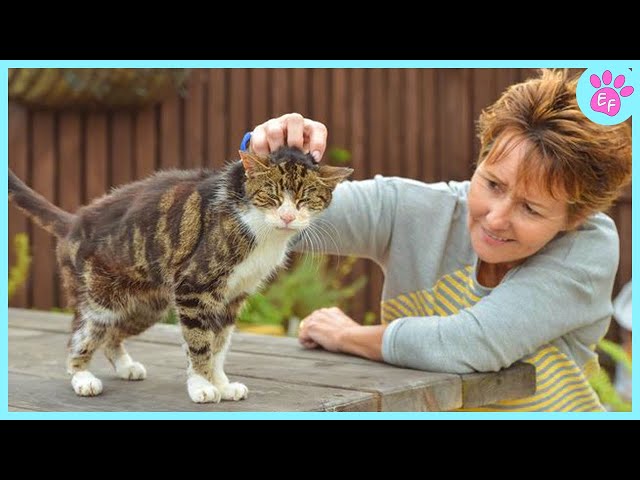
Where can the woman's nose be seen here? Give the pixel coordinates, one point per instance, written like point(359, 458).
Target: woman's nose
point(498, 217)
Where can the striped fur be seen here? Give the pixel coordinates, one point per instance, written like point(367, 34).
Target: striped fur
point(195, 240)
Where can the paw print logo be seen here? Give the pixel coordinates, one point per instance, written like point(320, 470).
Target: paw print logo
point(607, 100)
point(606, 93)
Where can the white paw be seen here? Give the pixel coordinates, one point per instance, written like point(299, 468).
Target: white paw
point(85, 384)
point(133, 371)
point(233, 391)
point(201, 390)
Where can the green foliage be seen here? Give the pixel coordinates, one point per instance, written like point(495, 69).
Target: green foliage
point(308, 285)
point(19, 272)
point(171, 317)
point(601, 382)
point(339, 156)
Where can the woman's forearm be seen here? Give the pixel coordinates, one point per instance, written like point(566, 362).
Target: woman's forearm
point(363, 341)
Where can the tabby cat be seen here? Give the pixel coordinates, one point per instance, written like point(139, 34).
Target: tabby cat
point(195, 240)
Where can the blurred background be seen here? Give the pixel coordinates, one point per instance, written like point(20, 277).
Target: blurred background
point(75, 133)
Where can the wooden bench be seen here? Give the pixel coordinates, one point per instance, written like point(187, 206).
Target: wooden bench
point(280, 374)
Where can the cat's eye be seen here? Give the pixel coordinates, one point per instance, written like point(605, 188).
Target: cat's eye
point(274, 201)
point(267, 200)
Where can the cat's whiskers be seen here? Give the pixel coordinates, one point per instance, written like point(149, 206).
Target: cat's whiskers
point(323, 228)
point(307, 238)
point(329, 225)
point(322, 250)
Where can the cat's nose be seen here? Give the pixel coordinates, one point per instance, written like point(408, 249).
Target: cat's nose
point(287, 217)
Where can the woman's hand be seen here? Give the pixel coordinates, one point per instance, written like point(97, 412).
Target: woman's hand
point(333, 330)
point(293, 130)
point(325, 328)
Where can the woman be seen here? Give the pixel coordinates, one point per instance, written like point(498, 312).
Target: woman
point(516, 264)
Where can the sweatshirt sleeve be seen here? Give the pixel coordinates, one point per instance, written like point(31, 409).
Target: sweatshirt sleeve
point(564, 287)
point(357, 222)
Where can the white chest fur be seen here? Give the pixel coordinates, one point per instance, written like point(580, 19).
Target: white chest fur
point(269, 253)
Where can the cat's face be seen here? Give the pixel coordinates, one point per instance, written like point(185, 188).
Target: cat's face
point(288, 188)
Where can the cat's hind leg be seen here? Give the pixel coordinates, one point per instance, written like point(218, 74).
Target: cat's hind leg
point(134, 324)
point(125, 367)
point(89, 330)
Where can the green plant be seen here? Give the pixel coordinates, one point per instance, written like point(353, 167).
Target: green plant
point(311, 283)
point(19, 272)
point(339, 156)
point(601, 382)
point(171, 317)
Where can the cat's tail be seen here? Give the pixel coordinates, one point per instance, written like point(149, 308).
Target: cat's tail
point(53, 219)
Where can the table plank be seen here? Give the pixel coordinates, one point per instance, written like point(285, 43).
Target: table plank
point(509, 384)
point(35, 392)
point(18, 409)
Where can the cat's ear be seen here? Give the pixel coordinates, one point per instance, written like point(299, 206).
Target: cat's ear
point(332, 176)
point(253, 163)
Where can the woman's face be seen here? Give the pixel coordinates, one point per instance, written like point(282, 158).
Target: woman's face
point(506, 224)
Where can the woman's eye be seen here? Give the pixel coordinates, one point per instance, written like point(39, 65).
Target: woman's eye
point(492, 185)
point(529, 210)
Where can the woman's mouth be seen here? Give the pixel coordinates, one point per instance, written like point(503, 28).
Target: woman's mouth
point(494, 237)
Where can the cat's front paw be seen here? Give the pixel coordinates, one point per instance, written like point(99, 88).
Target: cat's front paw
point(202, 391)
point(133, 371)
point(86, 384)
point(234, 391)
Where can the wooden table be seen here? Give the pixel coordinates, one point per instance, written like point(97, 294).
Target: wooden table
point(280, 374)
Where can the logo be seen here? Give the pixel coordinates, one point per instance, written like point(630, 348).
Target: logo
point(606, 96)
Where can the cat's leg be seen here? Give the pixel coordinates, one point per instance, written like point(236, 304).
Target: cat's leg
point(220, 346)
point(201, 317)
point(135, 324)
point(207, 326)
point(125, 367)
point(198, 338)
point(88, 333)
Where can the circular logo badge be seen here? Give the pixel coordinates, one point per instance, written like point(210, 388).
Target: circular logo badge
point(607, 95)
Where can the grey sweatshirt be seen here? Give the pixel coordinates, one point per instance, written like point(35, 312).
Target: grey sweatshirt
point(417, 233)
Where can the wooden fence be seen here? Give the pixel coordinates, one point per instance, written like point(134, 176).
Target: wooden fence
point(417, 123)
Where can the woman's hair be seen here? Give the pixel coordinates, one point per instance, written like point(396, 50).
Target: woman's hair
point(565, 151)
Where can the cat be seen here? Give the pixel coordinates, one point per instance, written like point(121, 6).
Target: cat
point(198, 241)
